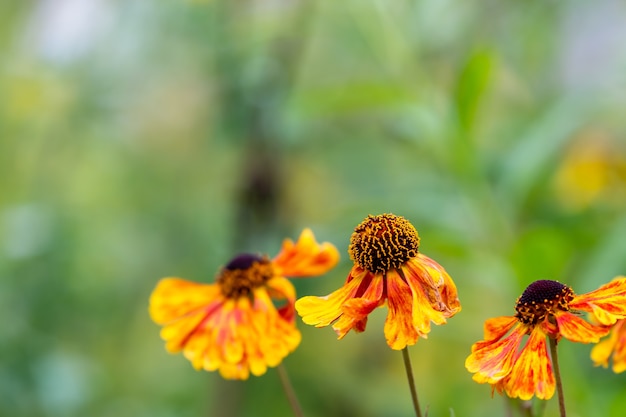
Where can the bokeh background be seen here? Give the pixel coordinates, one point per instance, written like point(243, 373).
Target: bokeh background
point(141, 139)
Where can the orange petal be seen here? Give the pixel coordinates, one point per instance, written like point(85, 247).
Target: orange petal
point(306, 257)
point(574, 328)
point(444, 296)
point(492, 359)
point(321, 311)
point(355, 310)
point(400, 330)
point(607, 303)
point(281, 288)
point(532, 371)
point(174, 298)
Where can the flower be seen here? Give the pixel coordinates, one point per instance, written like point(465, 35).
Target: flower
point(387, 269)
point(234, 325)
point(545, 308)
point(615, 346)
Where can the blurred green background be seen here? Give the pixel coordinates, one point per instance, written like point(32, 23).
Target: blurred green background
point(142, 139)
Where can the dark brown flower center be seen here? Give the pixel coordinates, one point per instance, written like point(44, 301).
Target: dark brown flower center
point(542, 298)
point(244, 273)
point(384, 242)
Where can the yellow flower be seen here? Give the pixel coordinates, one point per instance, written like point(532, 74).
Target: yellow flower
point(545, 309)
point(234, 325)
point(615, 346)
point(387, 269)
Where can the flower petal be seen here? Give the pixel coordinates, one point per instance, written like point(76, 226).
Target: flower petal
point(492, 359)
point(400, 329)
point(532, 371)
point(280, 288)
point(355, 310)
point(306, 257)
point(174, 298)
point(574, 328)
point(321, 311)
point(607, 303)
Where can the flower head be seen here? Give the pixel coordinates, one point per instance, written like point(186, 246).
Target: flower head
point(545, 309)
point(235, 325)
point(613, 347)
point(388, 268)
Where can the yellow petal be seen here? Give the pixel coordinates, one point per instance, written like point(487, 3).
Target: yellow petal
point(532, 372)
point(607, 303)
point(306, 257)
point(321, 311)
point(400, 329)
point(574, 328)
point(174, 298)
point(355, 310)
point(492, 359)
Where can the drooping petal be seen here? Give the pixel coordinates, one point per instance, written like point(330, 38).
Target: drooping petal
point(355, 310)
point(576, 329)
point(305, 257)
point(495, 328)
point(400, 329)
point(280, 288)
point(321, 311)
point(442, 292)
point(276, 336)
point(431, 289)
point(492, 359)
point(174, 298)
point(602, 351)
point(607, 303)
point(614, 345)
point(532, 371)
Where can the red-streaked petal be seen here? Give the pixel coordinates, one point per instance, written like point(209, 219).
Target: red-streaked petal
point(355, 310)
point(532, 371)
point(174, 298)
point(442, 290)
point(495, 328)
point(491, 360)
point(400, 330)
point(321, 311)
point(576, 329)
point(306, 257)
point(607, 303)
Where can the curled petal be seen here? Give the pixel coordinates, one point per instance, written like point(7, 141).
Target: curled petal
point(574, 328)
point(435, 284)
point(492, 359)
point(280, 288)
point(607, 303)
point(305, 257)
point(321, 311)
point(532, 372)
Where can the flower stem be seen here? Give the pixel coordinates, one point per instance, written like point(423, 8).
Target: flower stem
point(289, 391)
point(557, 376)
point(409, 375)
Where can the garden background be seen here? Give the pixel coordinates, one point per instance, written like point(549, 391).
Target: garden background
point(142, 139)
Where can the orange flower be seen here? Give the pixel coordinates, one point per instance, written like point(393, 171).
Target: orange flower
point(234, 325)
point(546, 308)
point(615, 346)
point(387, 269)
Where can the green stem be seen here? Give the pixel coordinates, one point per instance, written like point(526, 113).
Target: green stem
point(557, 376)
point(289, 391)
point(409, 375)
